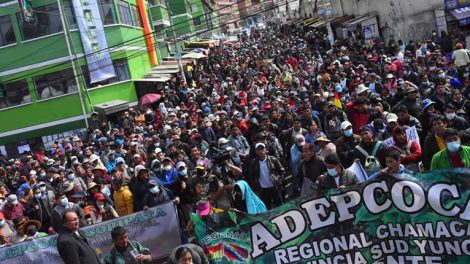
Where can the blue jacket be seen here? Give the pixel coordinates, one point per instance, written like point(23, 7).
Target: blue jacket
point(254, 205)
point(168, 178)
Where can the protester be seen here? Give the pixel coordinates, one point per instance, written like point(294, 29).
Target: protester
point(188, 253)
point(266, 177)
point(125, 250)
point(245, 200)
point(336, 176)
point(454, 155)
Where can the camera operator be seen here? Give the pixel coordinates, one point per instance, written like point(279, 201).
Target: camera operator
point(225, 168)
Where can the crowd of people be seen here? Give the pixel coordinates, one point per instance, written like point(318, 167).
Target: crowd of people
point(280, 108)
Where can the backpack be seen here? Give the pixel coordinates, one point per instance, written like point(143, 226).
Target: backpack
point(372, 164)
point(413, 167)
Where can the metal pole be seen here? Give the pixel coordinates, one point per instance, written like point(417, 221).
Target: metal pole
point(177, 49)
point(72, 56)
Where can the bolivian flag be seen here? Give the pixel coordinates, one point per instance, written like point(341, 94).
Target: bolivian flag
point(338, 101)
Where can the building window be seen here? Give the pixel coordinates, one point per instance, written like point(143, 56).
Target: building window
point(125, 13)
point(120, 68)
point(7, 36)
point(157, 2)
point(197, 21)
point(107, 12)
point(55, 84)
point(14, 93)
point(193, 8)
point(48, 22)
point(70, 14)
point(136, 21)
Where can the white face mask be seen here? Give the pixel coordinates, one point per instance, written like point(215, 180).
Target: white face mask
point(100, 206)
point(450, 116)
point(168, 168)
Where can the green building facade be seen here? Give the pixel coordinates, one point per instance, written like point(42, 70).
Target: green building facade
point(39, 95)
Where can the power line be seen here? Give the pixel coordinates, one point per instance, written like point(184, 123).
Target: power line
point(134, 40)
point(138, 53)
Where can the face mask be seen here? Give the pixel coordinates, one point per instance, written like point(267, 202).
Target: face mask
point(168, 168)
point(453, 146)
point(38, 196)
point(2, 222)
point(106, 191)
point(70, 177)
point(31, 231)
point(450, 116)
point(332, 172)
point(155, 189)
point(42, 174)
point(64, 201)
point(100, 206)
point(442, 75)
point(43, 189)
point(184, 173)
point(157, 145)
point(348, 133)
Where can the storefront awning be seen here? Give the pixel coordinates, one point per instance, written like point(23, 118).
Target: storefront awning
point(112, 107)
point(462, 15)
point(358, 20)
point(156, 79)
point(317, 24)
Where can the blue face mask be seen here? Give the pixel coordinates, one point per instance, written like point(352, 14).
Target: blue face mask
point(183, 173)
point(332, 172)
point(70, 177)
point(64, 201)
point(106, 191)
point(2, 222)
point(453, 146)
point(155, 189)
point(38, 196)
point(348, 133)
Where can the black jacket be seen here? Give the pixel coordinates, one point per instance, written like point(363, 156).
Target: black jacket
point(74, 249)
point(430, 148)
point(276, 171)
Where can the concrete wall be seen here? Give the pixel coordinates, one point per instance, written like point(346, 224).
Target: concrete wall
point(398, 19)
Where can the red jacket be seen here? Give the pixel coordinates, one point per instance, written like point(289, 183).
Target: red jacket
point(358, 119)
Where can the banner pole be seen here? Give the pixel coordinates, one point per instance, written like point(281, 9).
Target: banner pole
point(77, 81)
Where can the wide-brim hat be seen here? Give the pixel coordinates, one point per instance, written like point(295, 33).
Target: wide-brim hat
point(322, 139)
point(23, 223)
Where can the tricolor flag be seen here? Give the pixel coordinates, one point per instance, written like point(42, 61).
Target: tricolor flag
point(338, 101)
point(214, 252)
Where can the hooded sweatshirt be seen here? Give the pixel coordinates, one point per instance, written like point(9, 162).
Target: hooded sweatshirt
point(254, 205)
point(410, 149)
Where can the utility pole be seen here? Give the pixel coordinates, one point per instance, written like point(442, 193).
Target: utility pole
point(177, 49)
point(72, 56)
point(325, 10)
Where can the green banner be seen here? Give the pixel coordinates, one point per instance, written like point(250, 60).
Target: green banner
point(420, 218)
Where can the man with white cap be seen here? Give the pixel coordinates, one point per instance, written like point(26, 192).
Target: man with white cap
point(266, 177)
point(13, 208)
point(346, 143)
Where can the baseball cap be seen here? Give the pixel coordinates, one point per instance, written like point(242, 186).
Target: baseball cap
point(391, 117)
point(222, 141)
point(345, 125)
point(260, 146)
point(99, 196)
